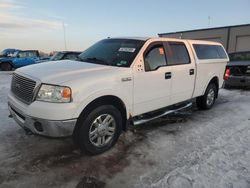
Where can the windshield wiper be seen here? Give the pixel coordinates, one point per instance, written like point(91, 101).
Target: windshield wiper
point(94, 59)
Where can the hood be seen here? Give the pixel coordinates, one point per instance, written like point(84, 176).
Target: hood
point(2, 58)
point(43, 60)
point(58, 72)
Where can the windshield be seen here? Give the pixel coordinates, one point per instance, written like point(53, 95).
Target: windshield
point(2, 53)
point(240, 56)
point(8, 52)
point(15, 54)
point(57, 56)
point(114, 52)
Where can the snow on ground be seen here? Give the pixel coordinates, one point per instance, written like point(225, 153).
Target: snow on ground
point(193, 149)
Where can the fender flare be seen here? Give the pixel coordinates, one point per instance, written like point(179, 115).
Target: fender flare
point(10, 62)
point(208, 82)
point(97, 95)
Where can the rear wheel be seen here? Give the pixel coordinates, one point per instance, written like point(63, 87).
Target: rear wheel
point(99, 130)
point(6, 66)
point(207, 101)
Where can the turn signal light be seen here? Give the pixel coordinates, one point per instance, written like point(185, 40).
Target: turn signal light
point(66, 93)
point(227, 74)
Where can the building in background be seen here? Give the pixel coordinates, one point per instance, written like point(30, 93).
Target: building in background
point(234, 38)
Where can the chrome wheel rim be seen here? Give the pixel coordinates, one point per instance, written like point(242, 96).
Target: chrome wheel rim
point(210, 97)
point(102, 130)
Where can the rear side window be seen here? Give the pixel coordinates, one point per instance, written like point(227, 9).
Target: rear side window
point(31, 54)
point(205, 51)
point(177, 54)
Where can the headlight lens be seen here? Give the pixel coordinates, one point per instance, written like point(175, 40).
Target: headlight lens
point(52, 93)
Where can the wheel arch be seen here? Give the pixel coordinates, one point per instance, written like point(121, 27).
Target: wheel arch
point(10, 62)
point(214, 80)
point(105, 100)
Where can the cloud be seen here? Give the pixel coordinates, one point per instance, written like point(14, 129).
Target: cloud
point(8, 21)
point(10, 18)
point(10, 4)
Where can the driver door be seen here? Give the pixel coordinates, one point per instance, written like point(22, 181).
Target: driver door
point(152, 86)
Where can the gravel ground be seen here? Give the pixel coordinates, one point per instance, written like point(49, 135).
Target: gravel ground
point(193, 149)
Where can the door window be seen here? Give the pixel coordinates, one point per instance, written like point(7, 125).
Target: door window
point(177, 53)
point(155, 58)
point(23, 54)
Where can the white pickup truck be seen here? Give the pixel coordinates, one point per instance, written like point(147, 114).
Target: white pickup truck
point(116, 82)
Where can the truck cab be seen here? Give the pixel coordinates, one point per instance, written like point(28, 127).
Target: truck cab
point(24, 58)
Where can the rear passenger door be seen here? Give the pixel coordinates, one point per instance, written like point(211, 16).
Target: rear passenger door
point(183, 71)
point(30, 58)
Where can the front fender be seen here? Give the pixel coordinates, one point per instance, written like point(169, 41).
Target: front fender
point(108, 92)
point(7, 61)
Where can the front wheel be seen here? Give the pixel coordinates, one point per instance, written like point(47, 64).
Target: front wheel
point(207, 101)
point(6, 66)
point(99, 130)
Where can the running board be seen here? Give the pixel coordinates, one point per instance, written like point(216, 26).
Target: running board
point(141, 121)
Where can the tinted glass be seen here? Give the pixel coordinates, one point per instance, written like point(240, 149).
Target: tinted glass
point(222, 52)
point(8, 53)
point(178, 54)
point(23, 54)
point(114, 52)
point(57, 56)
point(71, 56)
point(205, 51)
point(155, 58)
point(31, 54)
point(240, 56)
point(2, 53)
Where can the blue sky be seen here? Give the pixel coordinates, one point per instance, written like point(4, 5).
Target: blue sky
point(34, 24)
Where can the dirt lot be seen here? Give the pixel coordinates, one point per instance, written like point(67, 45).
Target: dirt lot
point(193, 149)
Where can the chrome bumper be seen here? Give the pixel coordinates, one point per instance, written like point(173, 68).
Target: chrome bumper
point(43, 127)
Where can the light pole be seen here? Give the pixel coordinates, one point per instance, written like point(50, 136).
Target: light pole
point(209, 21)
point(64, 35)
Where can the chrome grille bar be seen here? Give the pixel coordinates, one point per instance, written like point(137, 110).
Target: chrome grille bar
point(23, 88)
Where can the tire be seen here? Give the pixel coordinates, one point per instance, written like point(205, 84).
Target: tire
point(94, 136)
point(6, 66)
point(207, 101)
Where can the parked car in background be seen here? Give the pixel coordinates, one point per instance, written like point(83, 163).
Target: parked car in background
point(8, 53)
point(7, 56)
point(64, 55)
point(238, 70)
point(117, 82)
point(19, 59)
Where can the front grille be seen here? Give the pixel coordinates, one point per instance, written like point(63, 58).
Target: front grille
point(23, 87)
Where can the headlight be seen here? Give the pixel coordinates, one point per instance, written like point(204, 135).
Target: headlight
point(53, 93)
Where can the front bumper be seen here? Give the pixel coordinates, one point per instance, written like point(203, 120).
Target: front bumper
point(50, 128)
point(241, 81)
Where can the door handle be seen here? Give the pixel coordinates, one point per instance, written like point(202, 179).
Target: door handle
point(191, 72)
point(168, 75)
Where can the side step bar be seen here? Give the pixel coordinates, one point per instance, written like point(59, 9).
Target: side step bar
point(141, 121)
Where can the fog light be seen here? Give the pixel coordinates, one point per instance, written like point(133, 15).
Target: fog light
point(38, 126)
